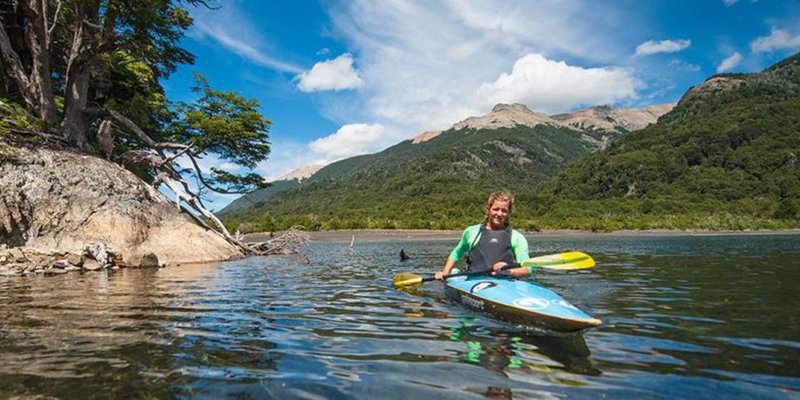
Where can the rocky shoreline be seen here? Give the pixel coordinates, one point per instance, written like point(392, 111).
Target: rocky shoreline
point(64, 211)
point(22, 261)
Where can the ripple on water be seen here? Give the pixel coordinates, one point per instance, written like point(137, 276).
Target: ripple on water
point(685, 318)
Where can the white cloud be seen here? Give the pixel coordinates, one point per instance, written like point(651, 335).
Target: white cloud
point(348, 141)
point(336, 74)
point(778, 39)
point(729, 3)
point(550, 86)
point(664, 46)
point(234, 33)
point(730, 62)
point(424, 61)
point(682, 65)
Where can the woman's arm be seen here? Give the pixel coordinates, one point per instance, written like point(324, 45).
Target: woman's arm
point(458, 252)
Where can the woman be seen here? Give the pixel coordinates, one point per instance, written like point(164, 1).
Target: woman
point(491, 244)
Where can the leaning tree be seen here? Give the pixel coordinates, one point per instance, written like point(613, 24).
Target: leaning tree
point(91, 71)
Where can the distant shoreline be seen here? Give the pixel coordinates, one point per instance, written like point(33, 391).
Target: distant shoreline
point(374, 235)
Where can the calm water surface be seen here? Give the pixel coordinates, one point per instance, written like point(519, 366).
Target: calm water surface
point(684, 317)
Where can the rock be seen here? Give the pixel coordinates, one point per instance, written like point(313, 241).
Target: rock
point(7, 270)
point(74, 259)
point(118, 261)
point(17, 255)
point(134, 260)
point(63, 200)
point(91, 265)
point(508, 116)
point(425, 136)
point(613, 119)
point(149, 260)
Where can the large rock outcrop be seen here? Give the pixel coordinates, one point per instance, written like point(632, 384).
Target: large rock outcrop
point(614, 119)
point(508, 116)
point(64, 201)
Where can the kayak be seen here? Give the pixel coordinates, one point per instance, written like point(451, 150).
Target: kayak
point(519, 301)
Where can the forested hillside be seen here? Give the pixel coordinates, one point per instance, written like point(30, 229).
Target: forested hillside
point(436, 184)
point(724, 158)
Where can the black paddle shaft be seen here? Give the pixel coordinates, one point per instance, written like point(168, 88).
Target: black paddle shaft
point(473, 273)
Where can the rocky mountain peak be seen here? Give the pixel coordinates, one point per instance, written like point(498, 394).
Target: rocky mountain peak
point(614, 119)
point(516, 107)
point(604, 117)
point(302, 173)
point(507, 116)
point(425, 136)
point(715, 84)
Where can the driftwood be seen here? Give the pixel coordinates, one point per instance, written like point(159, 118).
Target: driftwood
point(289, 242)
point(100, 253)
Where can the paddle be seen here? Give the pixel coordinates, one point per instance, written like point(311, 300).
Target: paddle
point(561, 261)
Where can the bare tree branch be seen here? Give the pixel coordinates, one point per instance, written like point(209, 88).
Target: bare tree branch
point(55, 20)
point(134, 128)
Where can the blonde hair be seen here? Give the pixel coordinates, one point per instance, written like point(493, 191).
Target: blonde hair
point(500, 195)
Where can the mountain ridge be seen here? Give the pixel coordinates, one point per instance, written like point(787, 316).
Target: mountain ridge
point(605, 118)
point(502, 116)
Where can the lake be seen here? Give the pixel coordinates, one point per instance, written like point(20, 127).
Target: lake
point(684, 317)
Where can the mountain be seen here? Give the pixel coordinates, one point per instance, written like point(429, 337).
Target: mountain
point(436, 180)
point(290, 180)
point(301, 173)
point(724, 158)
point(613, 119)
point(508, 116)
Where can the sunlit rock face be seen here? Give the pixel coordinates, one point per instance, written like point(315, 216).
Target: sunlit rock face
point(63, 201)
point(612, 119)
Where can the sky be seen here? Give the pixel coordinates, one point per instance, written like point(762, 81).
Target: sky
point(343, 78)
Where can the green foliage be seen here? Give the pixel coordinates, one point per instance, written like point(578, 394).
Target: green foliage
point(438, 184)
point(237, 183)
point(127, 48)
point(15, 119)
point(224, 123)
point(720, 160)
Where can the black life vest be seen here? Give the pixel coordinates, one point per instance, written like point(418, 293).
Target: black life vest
point(492, 246)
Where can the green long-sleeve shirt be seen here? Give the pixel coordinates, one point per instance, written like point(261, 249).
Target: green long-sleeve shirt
point(519, 245)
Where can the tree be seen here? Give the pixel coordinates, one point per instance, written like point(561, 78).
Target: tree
point(104, 59)
point(222, 123)
point(35, 21)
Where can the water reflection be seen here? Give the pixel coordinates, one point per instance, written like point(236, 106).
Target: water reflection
point(683, 318)
point(551, 357)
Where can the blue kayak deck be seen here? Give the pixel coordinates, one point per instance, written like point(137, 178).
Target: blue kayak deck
point(519, 301)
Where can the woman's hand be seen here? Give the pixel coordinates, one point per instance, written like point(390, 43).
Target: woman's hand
point(515, 271)
point(498, 266)
point(439, 275)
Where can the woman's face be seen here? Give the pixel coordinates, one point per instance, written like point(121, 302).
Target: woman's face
point(498, 213)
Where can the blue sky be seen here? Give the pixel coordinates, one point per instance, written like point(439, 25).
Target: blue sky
point(341, 78)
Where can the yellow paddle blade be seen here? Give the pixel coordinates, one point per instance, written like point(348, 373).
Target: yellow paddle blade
point(561, 261)
point(406, 279)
